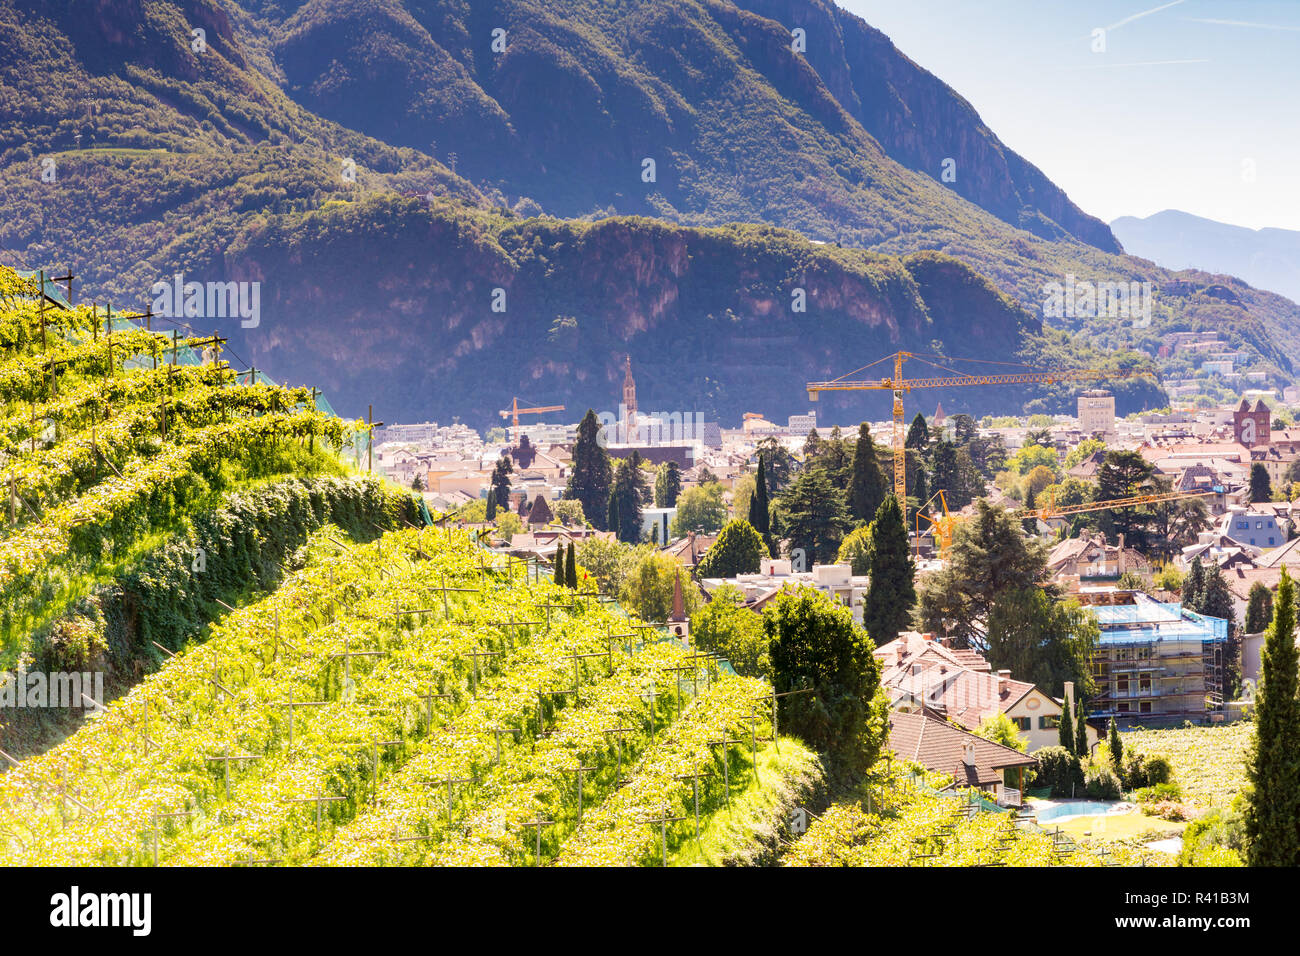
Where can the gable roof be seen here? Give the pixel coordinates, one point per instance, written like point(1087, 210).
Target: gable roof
point(941, 747)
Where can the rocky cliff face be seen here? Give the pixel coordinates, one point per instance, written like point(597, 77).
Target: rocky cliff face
point(711, 317)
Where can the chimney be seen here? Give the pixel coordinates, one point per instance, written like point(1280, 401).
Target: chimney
point(690, 537)
point(1069, 695)
point(968, 754)
point(1004, 677)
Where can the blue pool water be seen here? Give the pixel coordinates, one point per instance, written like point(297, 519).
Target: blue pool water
point(1078, 808)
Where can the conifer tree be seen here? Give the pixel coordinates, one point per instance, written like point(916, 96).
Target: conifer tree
point(559, 566)
point(1116, 746)
point(1066, 729)
point(867, 489)
point(612, 520)
point(918, 435)
point(1273, 767)
point(571, 567)
point(1259, 608)
point(1193, 584)
point(759, 507)
point(892, 592)
point(1081, 730)
point(589, 482)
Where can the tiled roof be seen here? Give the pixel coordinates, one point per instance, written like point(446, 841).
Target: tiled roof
point(939, 746)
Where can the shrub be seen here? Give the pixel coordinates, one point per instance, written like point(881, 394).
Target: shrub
point(1102, 783)
point(1159, 792)
point(1060, 770)
point(1158, 771)
point(1166, 810)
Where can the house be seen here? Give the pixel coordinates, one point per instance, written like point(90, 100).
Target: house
point(969, 759)
point(775, 575)
point(921, 674)
point(1257, 527)
point(1089, 558)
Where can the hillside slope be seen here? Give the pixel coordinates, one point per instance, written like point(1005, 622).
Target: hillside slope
point(164, 160)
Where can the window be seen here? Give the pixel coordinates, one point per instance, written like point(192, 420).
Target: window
point(1121, 685)
point(1125, 707)
point(1144, 682)
point(1144, 707)
point(1049, 723)
point(1022, 723)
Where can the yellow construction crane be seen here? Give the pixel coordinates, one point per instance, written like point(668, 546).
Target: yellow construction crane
point(515, 411)
point(945, 524)
point(898, 385)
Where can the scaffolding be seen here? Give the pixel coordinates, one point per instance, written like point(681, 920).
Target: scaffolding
point(1157, 661)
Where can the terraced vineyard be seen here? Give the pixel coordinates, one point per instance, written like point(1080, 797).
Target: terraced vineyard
point(909, 824)
point(113, 438)
point(300, 681)
point(408, 701)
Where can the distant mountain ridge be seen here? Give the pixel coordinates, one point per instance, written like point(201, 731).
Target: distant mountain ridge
point(1266, 258)
point(217, 164)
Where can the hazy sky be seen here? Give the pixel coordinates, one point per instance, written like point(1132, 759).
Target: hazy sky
point(1194, 105)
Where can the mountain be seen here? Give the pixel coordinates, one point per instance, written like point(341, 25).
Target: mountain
point(378, 169)
point(1266, 258)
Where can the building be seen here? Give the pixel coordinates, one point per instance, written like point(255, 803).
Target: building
point(802, 424)
point(775, 575)
point(629, 399)
point(1097, 412)
point(970, 760)
point(1088, 559)
point(1256, 528)
point(1155, 662)
point(1252, 426)
point(921, 674)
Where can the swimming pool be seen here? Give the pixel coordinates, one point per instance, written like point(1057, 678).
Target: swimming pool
point(1080, 808)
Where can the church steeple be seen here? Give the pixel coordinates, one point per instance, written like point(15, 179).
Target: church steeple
point(629, 397)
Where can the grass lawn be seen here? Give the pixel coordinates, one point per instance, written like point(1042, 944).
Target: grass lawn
point(1209, 762)
point(1115, 826)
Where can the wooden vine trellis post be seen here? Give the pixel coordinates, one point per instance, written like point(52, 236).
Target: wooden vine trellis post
point(320, 800)
point(726, 743)
point(224, 759)
point(662, 822)
point(290, 704)
point(773, 697)
point(579, 771)
point(537, 826)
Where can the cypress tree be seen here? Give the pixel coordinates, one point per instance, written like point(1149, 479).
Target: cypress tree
point(590, 479)
point(918, 435)
point(1066, 730)
point(491, 513)
point(892, 591)
point(612, 520)
point(571, 567)
point(867, 489)
point(1273, 768)
point(759, 508)
point(1081, 730)
point(1116, 746)
point(559, 566)
point(1259, 608)
point(1193, 584)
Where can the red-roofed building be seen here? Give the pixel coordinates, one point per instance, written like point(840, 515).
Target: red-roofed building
point(970, 760)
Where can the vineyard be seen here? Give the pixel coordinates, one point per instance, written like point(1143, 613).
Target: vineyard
point(408, 701)
point(314, 685)
point(113, 438)
point(904, 821)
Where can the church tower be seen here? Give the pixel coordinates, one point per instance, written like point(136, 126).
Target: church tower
point(629, 399)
